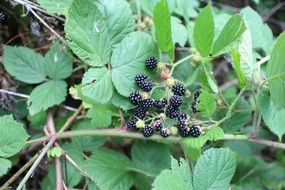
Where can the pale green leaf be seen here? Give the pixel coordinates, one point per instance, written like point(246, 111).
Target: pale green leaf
point(55, 152)
point(208, 79)
point(24, 64)
point(110, 170)
point(179, 177)
point(232, 30)
point(13, 136)
point(206, 104)
point(204, 30)
point(151, 157)
point(101, 115)
point(236, 63)
point(128, 60)
point(214, 169)
point(87, 31)
point(121, 101)
point(97, 84)
point(59, 7)
point(179, 34)
point(276, 73)
point(120, 22)
point(272, 117)
point(5, 165)
point(58, 62)
point(187, 8)
point(162, 23)
point(46, 95)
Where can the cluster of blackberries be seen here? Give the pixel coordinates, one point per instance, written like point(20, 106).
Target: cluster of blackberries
point(2, 16)
point(161, 108)
point(195, 101)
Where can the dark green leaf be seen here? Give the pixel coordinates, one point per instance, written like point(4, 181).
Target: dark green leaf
point(101, 115)
point(206, 104)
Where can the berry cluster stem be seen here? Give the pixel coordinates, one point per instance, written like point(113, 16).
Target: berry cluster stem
point(179, 62)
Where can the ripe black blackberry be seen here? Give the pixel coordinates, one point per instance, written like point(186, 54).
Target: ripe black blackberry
point(196, 95)
point(135, 98)
point(184, 132)
point(157, 125)
point(147, 131)
point(131, 125)
point(175, 101)
point(195, 131)
point(165, 132)
point(146, 85)
point(178, 89)
point(139, 78)
point(2, 16)
point(182, 117)
point(181, 125)
point(139, 112)
point(148, 103)
point(171, 112)
point(151, 62)
point(159, 104)
point(193, 107)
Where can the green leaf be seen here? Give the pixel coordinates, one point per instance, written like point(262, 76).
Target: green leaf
point(13, 136)
point(150, 157)
point(179, 177)
point(206, 104)
point(261, 34)
point(128, 60)
point(204, 30)
point(5, 165)
point(59, 7)
point(46, 95)
point(97, 84)
point(38, 120)
point(179, 34)
point(214, 169)
point(86, 143)
point(193, 146)
point(121, 101)
point(232, 30)
point(87, 31)
point(276, 73)
point(120, 22)
point(272, 117)
point(162, 23)
point(101, 115)
point(187, 8)
point(236, 63)
point(110, 170)
point(58, 62)
point(24, 64)
point(208, 80)
point(55, 152)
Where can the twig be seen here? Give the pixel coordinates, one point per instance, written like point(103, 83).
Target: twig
point(71, 119)
point(37, 7)
point(124, 134)
point(46, 25)
point(27, 97)
point(19, 172)
point(50, 125)
point(36, 163)
point(139, 14)
point(273, 10)
point(228, 84)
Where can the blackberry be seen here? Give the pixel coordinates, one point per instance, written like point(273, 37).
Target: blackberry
point(175, 101)
point(165, 132)
point(171, 112)
point(159, 104)
point(147, 131)
point(182, 117)
point(157, 125)
point(185, 132)
point(135, 98)
point(178, 89)
point(140, 77)
point(148, 103)
point(146, 85)
point(181, 125)
point(139, 112)
point(196, 95)
point(195, 131)
point(131, 125)
point(193, 107)
point(151, 62)
point(2, 16)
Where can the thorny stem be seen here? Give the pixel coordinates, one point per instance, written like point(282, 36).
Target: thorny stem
point(141, 172)
point(172, 139)
point(71, 119)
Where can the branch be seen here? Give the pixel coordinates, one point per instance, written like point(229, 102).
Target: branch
point(50, 125)
point(158, 138)
point(71, 119)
